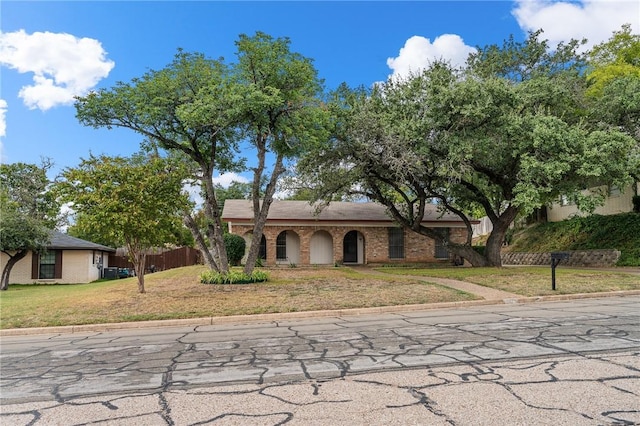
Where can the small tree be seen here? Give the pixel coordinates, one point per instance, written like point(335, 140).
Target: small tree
point(136, 202)
point(28, 212)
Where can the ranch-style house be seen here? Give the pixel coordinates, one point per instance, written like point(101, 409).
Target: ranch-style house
point(296, 233)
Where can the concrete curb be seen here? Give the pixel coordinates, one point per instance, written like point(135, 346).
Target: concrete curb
point(87, 328)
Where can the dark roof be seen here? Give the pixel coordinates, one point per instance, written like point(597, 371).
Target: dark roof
point(60, 241)
point(235, 210)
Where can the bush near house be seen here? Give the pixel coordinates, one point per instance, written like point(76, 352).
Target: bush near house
point(620, 232)
point(235, 246)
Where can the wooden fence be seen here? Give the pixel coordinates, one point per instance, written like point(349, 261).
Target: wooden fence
point(183, 256)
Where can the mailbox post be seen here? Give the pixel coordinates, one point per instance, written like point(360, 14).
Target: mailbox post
point(556, 258)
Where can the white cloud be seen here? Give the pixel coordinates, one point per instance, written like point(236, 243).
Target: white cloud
point(63, 65)
point(595, 20)
point(226, 179)
point(3, 123)
point(3, 127)
point(418, 52)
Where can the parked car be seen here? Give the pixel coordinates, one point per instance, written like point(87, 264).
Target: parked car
point(125, 273)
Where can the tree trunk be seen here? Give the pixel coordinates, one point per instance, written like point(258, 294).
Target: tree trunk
point(137, 256)
point(6, 271)
point(191, 224)
point(493, 248)
point(138, 265)
point(214, 222)
point(470, 254)
point(261, 211)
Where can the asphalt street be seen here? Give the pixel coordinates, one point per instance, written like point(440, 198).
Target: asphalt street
point(574, 362)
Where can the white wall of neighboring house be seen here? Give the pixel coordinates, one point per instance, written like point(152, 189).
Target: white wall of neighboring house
point(78, 266)
point(483, 228)
point(618, 201)
point(21, 271)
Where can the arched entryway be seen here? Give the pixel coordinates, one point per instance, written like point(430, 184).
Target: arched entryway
point(353, 248)
point(321, 248)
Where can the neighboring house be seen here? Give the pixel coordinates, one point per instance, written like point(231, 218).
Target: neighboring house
point(340, 233)
point(66, 260)
point(616, 202)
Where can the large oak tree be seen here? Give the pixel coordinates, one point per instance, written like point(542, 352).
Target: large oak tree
point(505, 135)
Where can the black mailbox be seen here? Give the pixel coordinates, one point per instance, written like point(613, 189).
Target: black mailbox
point(556, 258)
point(560, 255)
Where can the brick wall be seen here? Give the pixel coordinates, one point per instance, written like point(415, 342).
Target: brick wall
point(417, 248)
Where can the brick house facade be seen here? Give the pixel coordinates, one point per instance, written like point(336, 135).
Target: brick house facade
point(341, 233)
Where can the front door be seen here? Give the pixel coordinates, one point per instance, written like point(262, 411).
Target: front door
point(350, 247)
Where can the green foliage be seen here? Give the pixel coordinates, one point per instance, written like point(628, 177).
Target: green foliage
point(636, 203)
point(615, 58)
point(134, 202)
point(233, 277)
point(235, 246)
point(19, 232)
point(28, 212)
point(506, 135)
point(125, 200)
point(199, 109)
point(619, 232)
point(27, 187)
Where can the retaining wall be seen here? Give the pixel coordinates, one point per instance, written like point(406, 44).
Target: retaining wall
point(587, 258)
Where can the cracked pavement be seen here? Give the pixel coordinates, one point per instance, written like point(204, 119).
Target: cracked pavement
point(573, 362)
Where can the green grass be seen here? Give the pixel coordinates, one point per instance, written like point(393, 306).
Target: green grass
point(532, 280)
point(620, 232)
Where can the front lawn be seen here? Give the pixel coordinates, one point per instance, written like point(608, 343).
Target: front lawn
point(531, 280)
point(178, 293)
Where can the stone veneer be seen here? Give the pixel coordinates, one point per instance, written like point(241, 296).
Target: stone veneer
point(587, 258)
point(417, 248)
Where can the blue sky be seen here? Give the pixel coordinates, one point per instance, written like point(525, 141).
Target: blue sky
point(51, 51)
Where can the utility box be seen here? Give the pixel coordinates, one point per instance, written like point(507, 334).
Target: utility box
point(110, 273)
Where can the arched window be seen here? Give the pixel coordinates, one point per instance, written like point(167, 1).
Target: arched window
point(262, 254)
point(281, 246)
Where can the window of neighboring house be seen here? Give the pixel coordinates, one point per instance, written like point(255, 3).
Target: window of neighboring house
point(281, 246)
point(396, 243)
point(47, 265)
point(441, 251)
point(614, 191)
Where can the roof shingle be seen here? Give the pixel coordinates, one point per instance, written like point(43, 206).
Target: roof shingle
point(235, 210)
point(60, 241)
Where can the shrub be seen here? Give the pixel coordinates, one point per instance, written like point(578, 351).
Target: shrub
point(636, 203)
point(235, 246)
point(233, 277)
